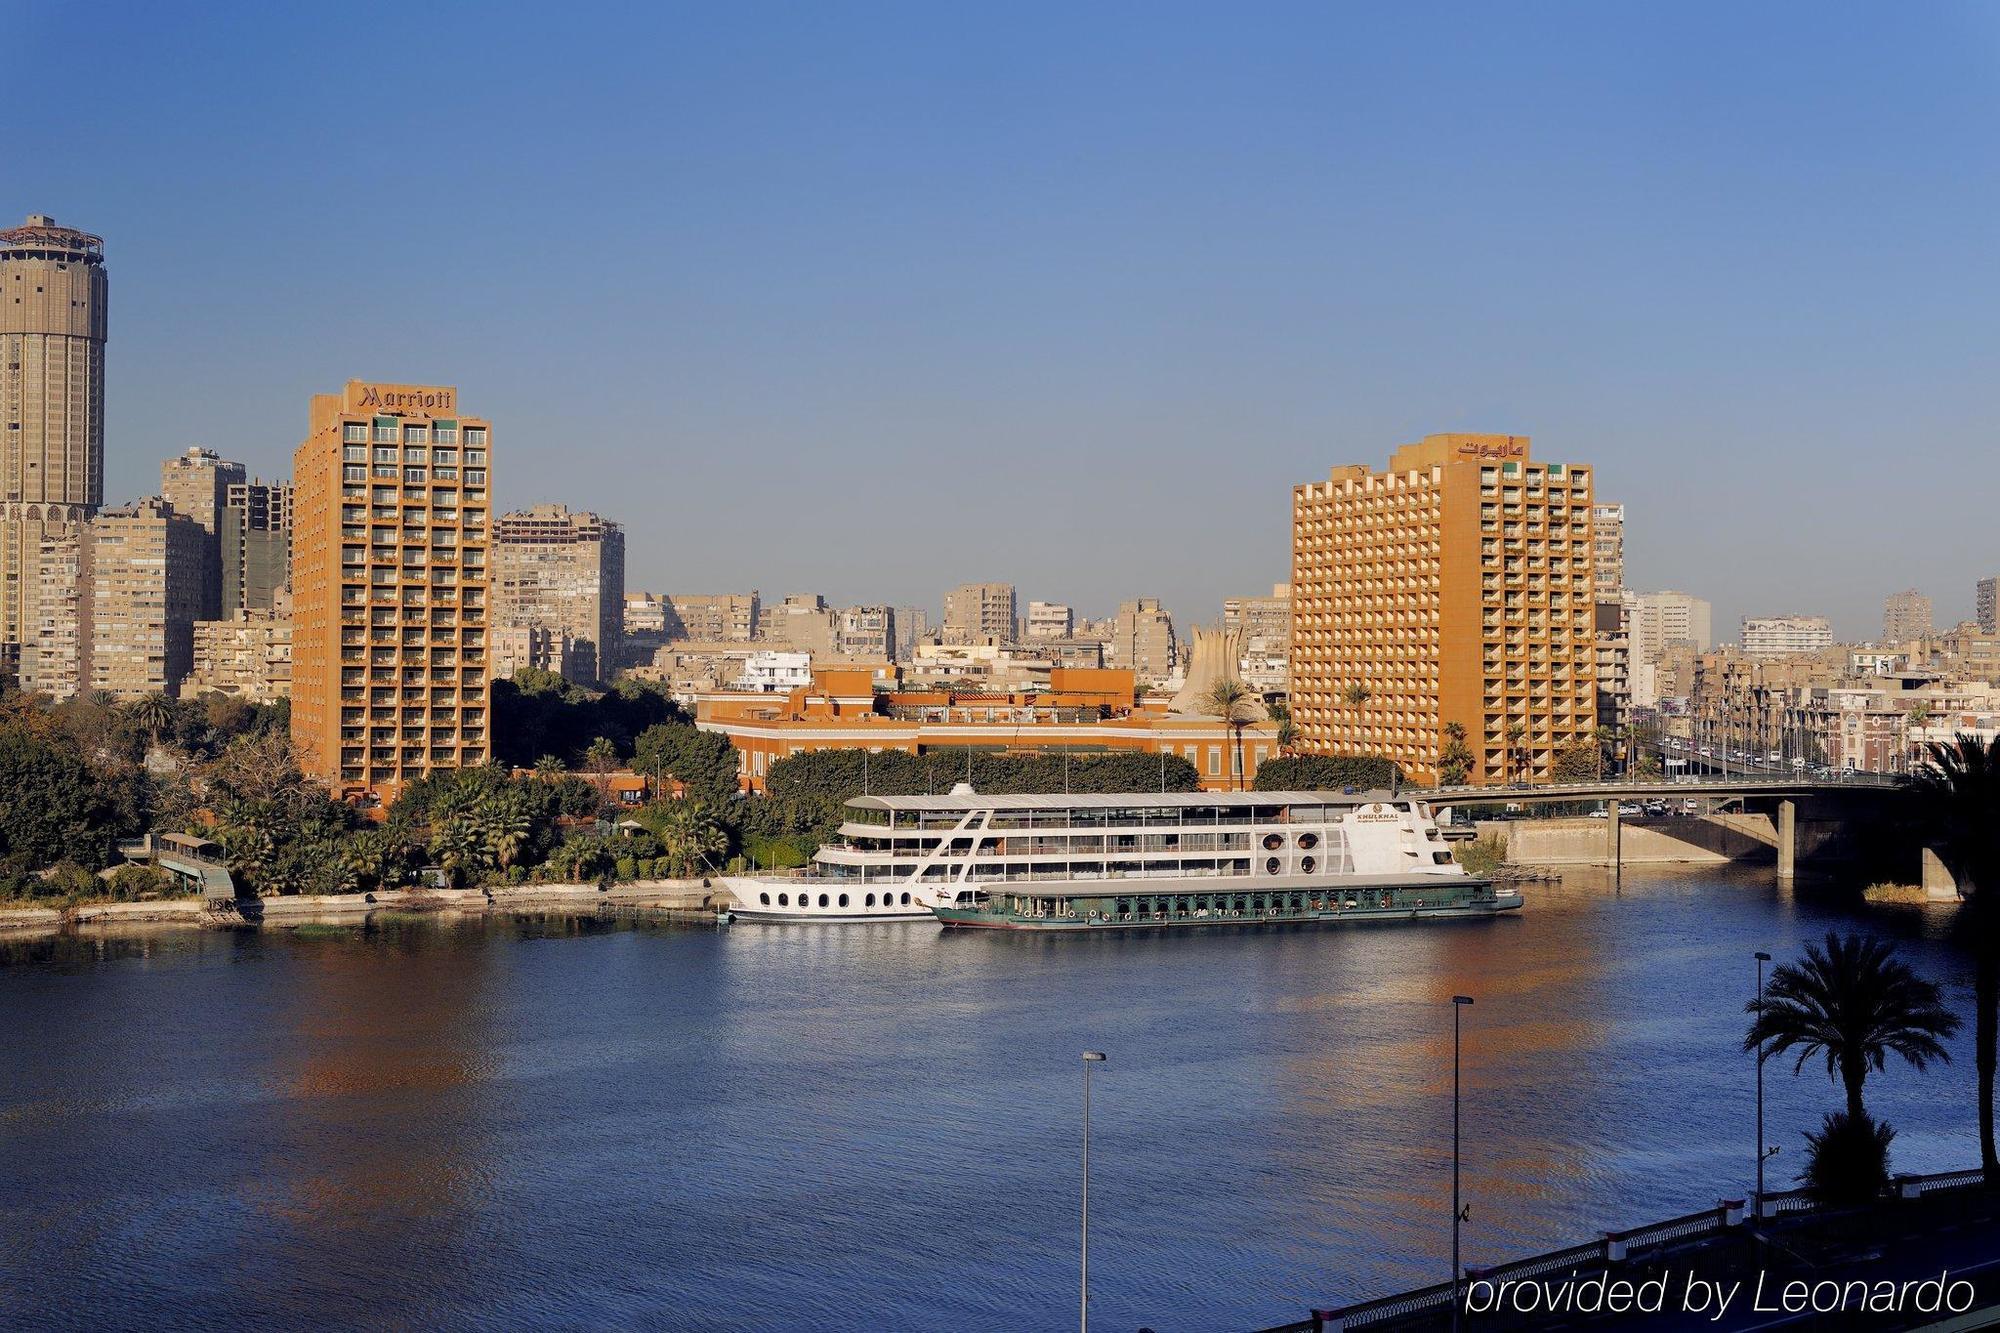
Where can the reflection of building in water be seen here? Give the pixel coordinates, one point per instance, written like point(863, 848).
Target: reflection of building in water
point(383, 1068)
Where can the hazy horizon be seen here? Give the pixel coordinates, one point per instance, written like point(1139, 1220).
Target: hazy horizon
point(874, 300)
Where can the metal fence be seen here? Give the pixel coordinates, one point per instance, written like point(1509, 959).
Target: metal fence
point(1613, 1247)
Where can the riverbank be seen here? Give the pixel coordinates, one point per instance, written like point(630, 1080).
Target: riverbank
point(669, 897)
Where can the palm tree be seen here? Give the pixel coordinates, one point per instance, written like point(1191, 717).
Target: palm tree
point(1455, 757)
point(1856, 1004)
point(460, 849)
point(1517, 732)
point(689, 835)
point(548, 766)
point(505, 826)
point(1959, 785)
point(370, 859)
point(1232, 701)
point(153, 714)
point(602, 756)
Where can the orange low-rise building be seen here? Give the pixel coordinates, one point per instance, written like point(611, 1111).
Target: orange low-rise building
point(1084, 712)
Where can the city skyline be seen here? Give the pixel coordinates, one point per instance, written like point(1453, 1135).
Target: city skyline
point(1069, 269)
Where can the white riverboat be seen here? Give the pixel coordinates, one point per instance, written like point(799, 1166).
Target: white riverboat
point(1130, 859)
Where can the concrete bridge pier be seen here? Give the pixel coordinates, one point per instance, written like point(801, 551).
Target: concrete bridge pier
point(1788, 838)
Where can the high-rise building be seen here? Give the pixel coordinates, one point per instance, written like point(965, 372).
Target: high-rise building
point(389, 587)
point(1656, 620)
point(912, 623)
point(255, 533)
point(1607, 538)
point(978, 612)
point(1050, 620)
point(197, 484)
point(147, 561)
point(1454, 587)
point(1266, 623)
point(562, 572)
point(1783, 636)
point(53, 302)
point(1906, 615)
point(1142, 641)
point(55, 659)
point(1986, 604)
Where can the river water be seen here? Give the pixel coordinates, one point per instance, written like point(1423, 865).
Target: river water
point(574, 1123)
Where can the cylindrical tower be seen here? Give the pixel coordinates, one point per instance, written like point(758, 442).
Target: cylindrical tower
point(52, 332)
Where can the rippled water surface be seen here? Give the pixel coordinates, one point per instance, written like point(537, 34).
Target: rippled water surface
point(583, 1124)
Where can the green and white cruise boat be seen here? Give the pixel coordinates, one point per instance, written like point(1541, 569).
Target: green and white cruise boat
point(1139, 860)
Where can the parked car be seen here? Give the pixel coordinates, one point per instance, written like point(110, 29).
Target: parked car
point(1690, 806)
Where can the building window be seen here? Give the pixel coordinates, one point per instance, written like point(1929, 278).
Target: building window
point(475, 435)
point(416, 434)
point(385, 432)
point(354, 432)
point(1214, 760)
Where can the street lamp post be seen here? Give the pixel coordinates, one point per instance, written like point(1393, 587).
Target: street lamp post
point(1458, 1003)
point(1083, 1270)
point(1762, 958)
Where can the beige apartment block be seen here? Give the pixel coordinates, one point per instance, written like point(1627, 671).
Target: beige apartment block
point(197, 483)
point(1607, 540)
point(1783, 636)
point(389, 587)
point(56, 658)
point(248, 657)
point(726, 617)
point(146, 568)
point(1455, 586)
point(515, 648)
point(53, 318)
point(978, 612)
point(562, 572)
point(867, 632)
point(1266, 625)
point(1142, 642)
point(1906, 615)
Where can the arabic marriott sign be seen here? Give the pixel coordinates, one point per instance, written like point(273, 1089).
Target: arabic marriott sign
point(402, 399)
point(1493, 449)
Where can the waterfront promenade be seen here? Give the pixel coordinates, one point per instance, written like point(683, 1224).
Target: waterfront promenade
point(1922, 1257)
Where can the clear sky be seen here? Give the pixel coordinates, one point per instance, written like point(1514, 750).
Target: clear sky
point(871, 300)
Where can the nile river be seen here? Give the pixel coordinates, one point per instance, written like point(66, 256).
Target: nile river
point(562, 1123)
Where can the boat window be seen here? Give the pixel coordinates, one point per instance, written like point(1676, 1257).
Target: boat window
point(1308, 841)
point(822, 900)
point(906, 900)
point(1307, 865)
point(1273, 841)
point(843, 900)
point(784, 900)
point(1272, 866)
point(1442, 858)
point(869, 901)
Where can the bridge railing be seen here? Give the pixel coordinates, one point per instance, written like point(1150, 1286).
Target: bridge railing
point(1612, 1248)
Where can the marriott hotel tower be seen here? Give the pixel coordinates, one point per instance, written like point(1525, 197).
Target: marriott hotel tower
point(389, 575)
point(52, 324)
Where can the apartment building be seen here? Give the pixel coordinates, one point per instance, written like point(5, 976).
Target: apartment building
point(1986, 603)
point(1266, 626)
point(254, 531)
point(196, 483)
point(247, 656)
point(1607, 541)
point(867, 632)
point(390, 542)
point(562, 572)
point(1781, 636)
point(147, 564)
point(727, 617)
point(1456, 586)
point(1142, 641)
point(1050, 620)
point(1655, 620)
point(55, 659)
point(977, 612)
point(1906, 615)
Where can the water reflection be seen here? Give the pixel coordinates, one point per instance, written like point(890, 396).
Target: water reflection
point(589, 1121)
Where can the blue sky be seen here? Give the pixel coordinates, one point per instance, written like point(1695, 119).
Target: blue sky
point(874, 299)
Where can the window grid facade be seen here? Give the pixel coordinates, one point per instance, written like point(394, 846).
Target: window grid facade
point(1457, 586)
point(390, 588)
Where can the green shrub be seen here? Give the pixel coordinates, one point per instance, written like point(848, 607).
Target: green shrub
point(626, 868)
point(1327, 772)
point(1848, 1160)
point(1483, 855)
point(134, 883)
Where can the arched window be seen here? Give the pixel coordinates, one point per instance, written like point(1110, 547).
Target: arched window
point(822, 900)
point(906, 900)
point(843, 900)
point(764, 898)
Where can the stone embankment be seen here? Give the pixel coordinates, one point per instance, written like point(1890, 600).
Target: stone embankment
point(673, 897)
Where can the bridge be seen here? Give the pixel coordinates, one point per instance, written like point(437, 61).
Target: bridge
point(1784, 791)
